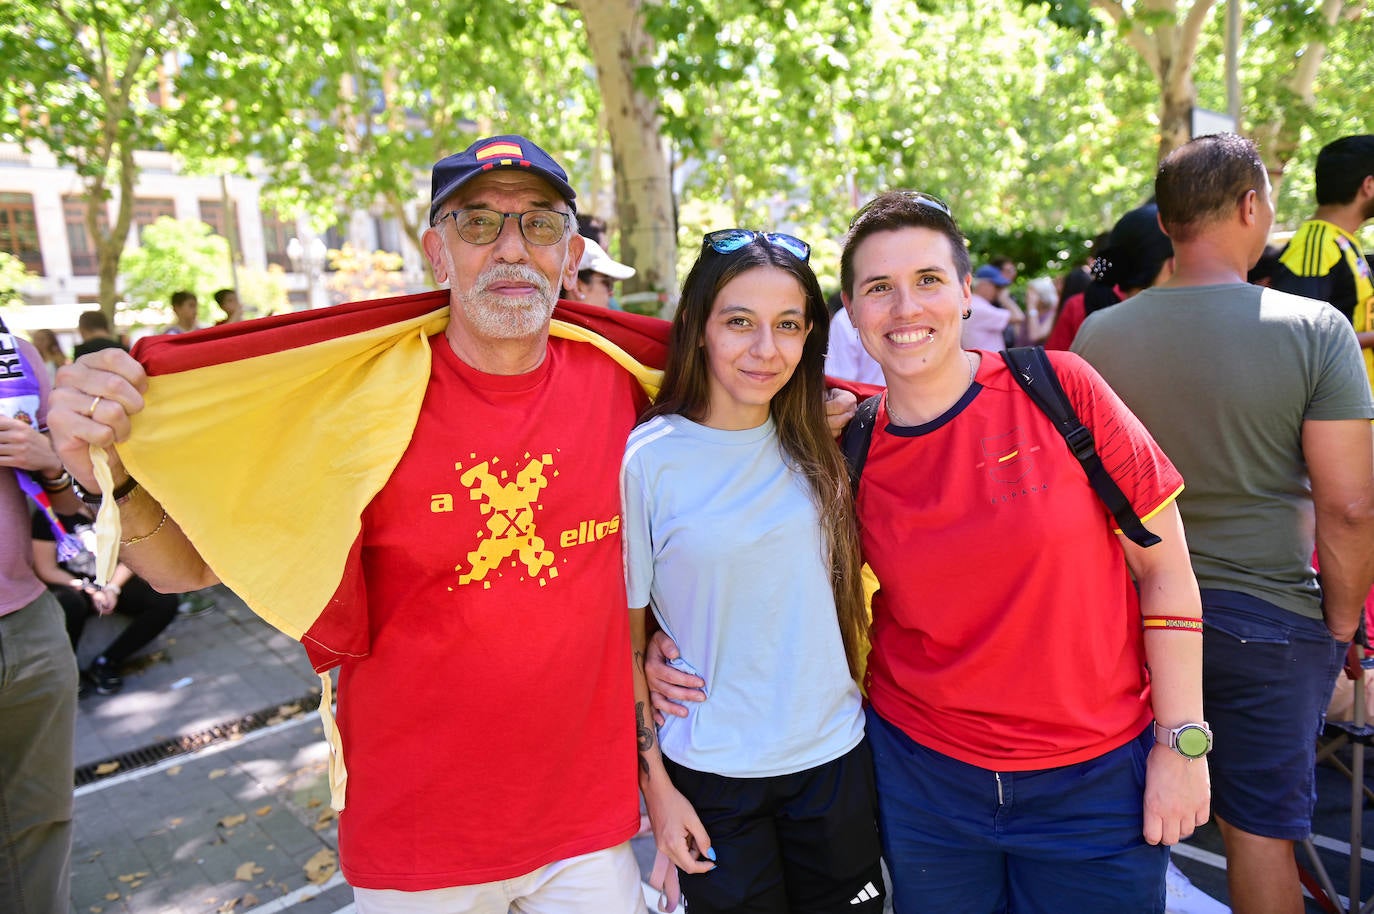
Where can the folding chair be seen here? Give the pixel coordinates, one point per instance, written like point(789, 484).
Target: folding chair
point(1357, 733)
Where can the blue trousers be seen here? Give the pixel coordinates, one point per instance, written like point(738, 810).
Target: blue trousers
point(961, 838)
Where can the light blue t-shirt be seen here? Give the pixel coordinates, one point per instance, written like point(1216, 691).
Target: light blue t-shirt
point(723, 540)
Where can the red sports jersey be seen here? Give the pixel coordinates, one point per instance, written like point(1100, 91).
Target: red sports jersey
point(490, 730)
point(1006, 632)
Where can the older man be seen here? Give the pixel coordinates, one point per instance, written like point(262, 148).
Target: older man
point(984, 327)
point(1260, 399)
point(467, 789)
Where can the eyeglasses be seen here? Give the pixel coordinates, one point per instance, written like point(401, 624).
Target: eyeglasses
point(483, 226)
point(727, 241)
point(916, 196)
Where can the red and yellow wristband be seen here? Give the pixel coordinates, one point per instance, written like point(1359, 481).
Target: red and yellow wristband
point(1174, 623)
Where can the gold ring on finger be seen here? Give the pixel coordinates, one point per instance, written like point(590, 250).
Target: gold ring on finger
point(90, 410)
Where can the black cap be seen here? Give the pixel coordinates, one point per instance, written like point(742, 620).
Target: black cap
point(509, 151)
point(1135, 251)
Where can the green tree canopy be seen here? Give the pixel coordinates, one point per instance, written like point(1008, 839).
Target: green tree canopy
point(175, 255)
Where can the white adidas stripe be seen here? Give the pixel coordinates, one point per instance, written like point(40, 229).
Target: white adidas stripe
point(867, 893)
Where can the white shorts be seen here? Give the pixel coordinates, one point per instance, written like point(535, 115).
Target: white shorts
point(603, 882)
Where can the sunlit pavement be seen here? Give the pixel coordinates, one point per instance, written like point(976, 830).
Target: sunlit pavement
point(244, 822)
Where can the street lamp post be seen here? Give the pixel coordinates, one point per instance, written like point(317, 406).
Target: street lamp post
point(310, 259)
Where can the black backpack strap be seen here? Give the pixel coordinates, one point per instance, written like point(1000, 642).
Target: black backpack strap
point(856, 437)
point(1031, 368)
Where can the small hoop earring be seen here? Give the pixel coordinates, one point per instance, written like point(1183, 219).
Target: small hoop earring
point(968, 314)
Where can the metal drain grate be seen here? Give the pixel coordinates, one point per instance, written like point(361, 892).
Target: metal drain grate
point(183, 745)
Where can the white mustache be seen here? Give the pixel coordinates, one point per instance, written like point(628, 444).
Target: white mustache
point(512, 272)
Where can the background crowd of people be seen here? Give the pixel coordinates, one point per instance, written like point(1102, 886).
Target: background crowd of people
point(1019, 724)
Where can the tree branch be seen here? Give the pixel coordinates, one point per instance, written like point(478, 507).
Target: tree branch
point(1192, 28)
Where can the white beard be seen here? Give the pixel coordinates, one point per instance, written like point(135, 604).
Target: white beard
point(501, 316)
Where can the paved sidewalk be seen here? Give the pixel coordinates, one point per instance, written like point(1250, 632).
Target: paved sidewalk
point(201, 671)
point(243, 823)
point(237, 824)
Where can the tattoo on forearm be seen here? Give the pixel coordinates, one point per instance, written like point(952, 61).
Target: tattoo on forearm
point(644, 735)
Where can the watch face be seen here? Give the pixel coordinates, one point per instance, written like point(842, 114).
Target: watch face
point(1193, 742)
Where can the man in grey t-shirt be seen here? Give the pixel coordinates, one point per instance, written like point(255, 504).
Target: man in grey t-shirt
point(1259, 398)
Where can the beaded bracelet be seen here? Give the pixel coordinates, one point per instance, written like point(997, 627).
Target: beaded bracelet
point(57, 484)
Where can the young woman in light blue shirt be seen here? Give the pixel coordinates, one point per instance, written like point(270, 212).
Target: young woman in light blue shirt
point(739, 535)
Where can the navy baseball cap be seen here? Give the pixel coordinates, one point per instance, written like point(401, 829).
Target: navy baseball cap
point(992, 275)
point(494, 152)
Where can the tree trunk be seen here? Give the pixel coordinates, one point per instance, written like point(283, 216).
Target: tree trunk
point(1175, 114)
point(109, 246)
point(1168, 46)
point(1279, 139)
point(644, 193)
point(410, 229)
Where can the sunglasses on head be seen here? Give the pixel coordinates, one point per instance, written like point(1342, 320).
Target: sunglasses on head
point(916, 196)
point(727, 241)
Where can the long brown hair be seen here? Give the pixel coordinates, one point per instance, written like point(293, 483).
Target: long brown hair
point(798, 411)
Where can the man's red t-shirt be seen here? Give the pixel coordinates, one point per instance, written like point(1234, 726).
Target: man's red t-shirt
point(490, 730)
point(1006, 631)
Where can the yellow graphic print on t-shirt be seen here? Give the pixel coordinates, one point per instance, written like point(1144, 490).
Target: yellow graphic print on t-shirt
point(509, 508)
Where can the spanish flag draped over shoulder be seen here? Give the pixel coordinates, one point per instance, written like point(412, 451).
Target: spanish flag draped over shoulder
point(266, 440)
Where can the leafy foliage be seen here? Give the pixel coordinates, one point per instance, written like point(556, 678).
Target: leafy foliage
point(13, 276)
point(1037, 120)
point(175, 255)
point(359, 275)
point(350, 104)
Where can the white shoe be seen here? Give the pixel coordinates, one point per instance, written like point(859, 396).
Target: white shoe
point(1182, 897)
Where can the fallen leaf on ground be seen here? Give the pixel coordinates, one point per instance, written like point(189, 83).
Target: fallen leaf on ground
point(236, 819)
point(246, 871)
point(96, 909)
point(289, 710)
point(136, 883)
point(250, 900)
point(177, 821)
point(320, 867)
point(174, 771)
point(128, 877)
point(326, 818)
point(228, 906)
point(219, 773)
point(111, 896)
point(313, 802)
point(263, 810)
point(106, 767)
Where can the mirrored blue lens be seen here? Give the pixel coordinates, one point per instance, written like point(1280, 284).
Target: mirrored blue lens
point(727, 241)
point(791, 244)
